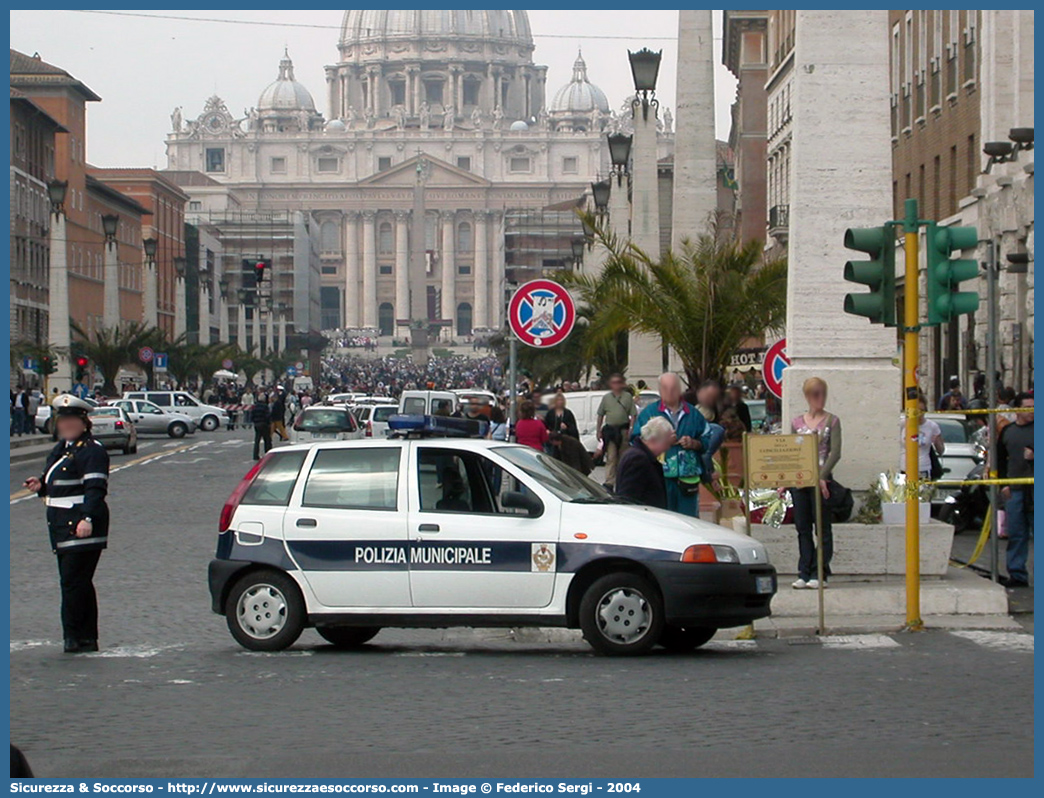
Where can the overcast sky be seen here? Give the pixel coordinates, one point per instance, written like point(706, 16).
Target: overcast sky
point(143, 68)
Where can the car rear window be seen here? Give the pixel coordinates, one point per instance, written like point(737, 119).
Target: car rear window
point(414, 405)
point(355, 478)
point(325, 419)
point(275, 482)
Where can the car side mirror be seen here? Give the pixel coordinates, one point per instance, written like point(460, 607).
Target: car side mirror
point(516, 500)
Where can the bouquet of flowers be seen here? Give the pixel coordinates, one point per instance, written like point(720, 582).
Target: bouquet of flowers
point(770, 506)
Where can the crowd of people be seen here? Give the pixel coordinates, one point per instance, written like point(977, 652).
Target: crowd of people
point(389, 376)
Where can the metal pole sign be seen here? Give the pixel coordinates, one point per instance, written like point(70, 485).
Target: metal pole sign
point(541, 313)
point(788, 461)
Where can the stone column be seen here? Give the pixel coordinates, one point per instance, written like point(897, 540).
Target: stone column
point(496, 308)
point(645, 355)
point(59, 334)
point(204, 313)
point(112, 285)
point(180, 321)
point(369, 276)
point(257, 330)
point(150, 301)
point(282, 332)
point(270, 334)
point(402, 267)
point(222, 320)
point(480, 317)
point(449, 270)
point(695, 156)
point(241, 327)
point(846, 184)
point(351, 269)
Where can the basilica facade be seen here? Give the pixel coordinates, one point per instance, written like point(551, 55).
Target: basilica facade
point(437, 128)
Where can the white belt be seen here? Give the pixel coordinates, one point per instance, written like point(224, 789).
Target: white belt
point(65, 544)
point(66, 502)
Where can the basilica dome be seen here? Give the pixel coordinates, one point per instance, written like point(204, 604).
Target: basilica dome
point(361, 27)
point(579, 96)
point(286, 94)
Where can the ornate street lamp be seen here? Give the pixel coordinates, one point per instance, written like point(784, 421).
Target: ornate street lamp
point(577, 245)
point(110, 223)
point(645, 67)
point(223, 285)
point(179, 265)
point(600, 192)
point(56, 190)
point(619, 154)
point(151, 246)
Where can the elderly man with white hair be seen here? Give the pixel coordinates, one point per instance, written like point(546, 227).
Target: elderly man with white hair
point(639, 474)
point(682, 463)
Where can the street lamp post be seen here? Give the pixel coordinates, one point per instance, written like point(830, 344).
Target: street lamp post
point(58, 332)
point(577, 244)
point(180, 320)
point(111, 309)
point(150, 301)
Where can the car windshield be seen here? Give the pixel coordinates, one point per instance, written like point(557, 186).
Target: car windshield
point(953, 430)
point(324, 419)
point(566, 483)
point(105, 411)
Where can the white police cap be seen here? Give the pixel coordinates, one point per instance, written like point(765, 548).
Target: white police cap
point(68, 405)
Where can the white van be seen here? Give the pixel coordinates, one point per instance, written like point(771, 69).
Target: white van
point(207, 417)
point(428, 403)
point(584, 405)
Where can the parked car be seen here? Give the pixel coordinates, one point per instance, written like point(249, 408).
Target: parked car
point(961, 456)
point(325, 423)
point(584, 405)
point(428, 403)
point(43, 417)
point(151, 418)
point(348, 398)
point(207, 417)
point(374, 419)
point(112, 426)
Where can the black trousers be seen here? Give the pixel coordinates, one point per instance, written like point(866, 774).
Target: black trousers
point(805, 520)
point(79, 601)
point(262, 432)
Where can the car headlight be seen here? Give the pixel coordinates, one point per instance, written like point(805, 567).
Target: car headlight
point(707, 553)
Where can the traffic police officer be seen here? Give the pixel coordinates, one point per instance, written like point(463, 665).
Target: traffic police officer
point(73, 485)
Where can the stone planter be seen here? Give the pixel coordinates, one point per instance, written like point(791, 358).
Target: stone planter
point(895, 513)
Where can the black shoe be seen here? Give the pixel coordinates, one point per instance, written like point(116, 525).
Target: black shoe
point(1007, 581)
point(88, 646)
point(72, 646)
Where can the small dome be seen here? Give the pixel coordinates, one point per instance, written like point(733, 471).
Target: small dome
point(336, 126)
point(286, 94)
point(519, 125)
point(579, 96)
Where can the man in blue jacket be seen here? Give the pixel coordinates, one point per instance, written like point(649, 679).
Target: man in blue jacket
point(681, 463)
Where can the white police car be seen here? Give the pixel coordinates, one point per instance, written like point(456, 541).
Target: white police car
point(353, 536)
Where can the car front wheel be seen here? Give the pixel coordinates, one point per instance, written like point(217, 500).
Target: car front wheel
point(209, 423)
point(177, 430)
point(265, 611)
point(621, 614)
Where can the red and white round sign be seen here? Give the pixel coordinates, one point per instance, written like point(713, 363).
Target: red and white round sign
point(776, 361)
point(541, 313)
point(145, 354)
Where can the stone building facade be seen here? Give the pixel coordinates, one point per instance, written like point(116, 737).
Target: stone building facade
point(437, 128)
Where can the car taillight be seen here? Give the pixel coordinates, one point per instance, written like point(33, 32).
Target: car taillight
point(706, 553)
point(119, 425)
point(237, 495)
point(369, 429)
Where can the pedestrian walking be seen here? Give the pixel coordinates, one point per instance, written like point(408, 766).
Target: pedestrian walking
point(683, 464)
point(529, 430)
point(815, 419)
point(74, 485)
point(639, 477)
point(279, 415)
point(568, 450)
point(18, 415)
point(31, 402)
point(615, 416)
point(1014, 460)
point(261, 418)
point(929, 441)
point(560, 418)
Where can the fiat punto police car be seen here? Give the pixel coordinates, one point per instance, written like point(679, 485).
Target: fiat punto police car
point(354, 536)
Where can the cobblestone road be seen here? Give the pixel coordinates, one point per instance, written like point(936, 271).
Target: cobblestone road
point(171, 694)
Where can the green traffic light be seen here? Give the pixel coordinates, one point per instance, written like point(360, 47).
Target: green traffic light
point(878, 274)
point(944, 276)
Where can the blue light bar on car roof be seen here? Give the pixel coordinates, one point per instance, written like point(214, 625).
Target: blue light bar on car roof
point(436, 426)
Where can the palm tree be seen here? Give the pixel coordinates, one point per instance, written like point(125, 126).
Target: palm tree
point(702, 301)
point(112, 348)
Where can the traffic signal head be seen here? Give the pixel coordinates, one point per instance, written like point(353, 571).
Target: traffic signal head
point(260, 265)
point(878, 274)
point(945, 299)
point(82, 362)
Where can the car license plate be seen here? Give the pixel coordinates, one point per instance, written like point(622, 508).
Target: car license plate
point(763, 584)
point(327, 436)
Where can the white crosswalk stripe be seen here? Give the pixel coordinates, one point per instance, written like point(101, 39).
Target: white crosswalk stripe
point(863, 642)
point(1002, 641)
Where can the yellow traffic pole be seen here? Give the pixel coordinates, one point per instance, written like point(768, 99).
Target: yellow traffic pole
point(911, 328)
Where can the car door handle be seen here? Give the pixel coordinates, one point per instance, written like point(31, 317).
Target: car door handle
point(428, 528)
point(306, 522)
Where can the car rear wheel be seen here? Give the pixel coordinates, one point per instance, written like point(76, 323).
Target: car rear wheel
point(621, 614)
point(209, 423)
point(347, 636)
point(674, 638)
point(177, 430)
point(265, 611)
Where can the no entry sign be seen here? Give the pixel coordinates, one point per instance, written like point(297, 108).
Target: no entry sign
point(776, 361)
point(541, 313)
